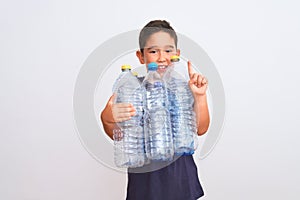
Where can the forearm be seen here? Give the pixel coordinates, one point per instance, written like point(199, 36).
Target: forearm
point(202, 114)
point(108, 126)
point(107, 119)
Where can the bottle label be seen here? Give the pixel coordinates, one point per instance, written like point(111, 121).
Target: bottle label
point(158, 84)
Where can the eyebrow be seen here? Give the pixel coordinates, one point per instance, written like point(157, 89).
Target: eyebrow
point(154, 47)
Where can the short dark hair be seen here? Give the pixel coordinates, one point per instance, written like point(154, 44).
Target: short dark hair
point(154, 27)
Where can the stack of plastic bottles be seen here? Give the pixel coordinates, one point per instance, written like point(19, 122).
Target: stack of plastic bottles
point(164, 124)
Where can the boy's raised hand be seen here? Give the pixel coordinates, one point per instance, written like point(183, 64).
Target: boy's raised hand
point(197, 82)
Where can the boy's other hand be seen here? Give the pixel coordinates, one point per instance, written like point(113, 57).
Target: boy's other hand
point(197, 82)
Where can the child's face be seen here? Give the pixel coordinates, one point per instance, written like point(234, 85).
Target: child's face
point(159, 48)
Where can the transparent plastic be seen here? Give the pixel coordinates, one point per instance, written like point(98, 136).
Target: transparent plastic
point(157, 124)
point(181, 101)
point(129, 144)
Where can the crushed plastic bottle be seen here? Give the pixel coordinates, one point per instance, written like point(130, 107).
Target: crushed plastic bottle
point(157, 126)
point(183, 118)
point(129, 144)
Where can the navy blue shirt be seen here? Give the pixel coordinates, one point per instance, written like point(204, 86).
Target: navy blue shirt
point(176, 181)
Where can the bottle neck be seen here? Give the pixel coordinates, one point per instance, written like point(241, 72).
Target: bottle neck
point(126, 70)
point(175, 60)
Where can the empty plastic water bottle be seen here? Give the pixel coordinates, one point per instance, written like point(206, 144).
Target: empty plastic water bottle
point(183, 119)
point(129, 142)
point(157, 126)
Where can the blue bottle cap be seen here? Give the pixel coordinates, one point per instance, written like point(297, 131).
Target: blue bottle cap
point(152, 66)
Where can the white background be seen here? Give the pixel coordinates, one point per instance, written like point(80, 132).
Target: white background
point(254, 45)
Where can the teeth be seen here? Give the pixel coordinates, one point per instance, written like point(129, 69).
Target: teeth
point(162, 66)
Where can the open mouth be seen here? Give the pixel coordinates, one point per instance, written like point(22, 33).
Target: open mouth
point(162, 68)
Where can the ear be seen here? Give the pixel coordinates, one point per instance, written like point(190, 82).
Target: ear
point(140, 56)
point(178, 52)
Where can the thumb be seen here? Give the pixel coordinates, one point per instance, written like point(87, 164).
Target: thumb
point(112, 98)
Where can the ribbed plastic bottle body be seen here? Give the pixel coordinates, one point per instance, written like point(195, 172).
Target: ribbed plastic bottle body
point(129, 139)
point(157, 126)
point(117, 81)
point(183, 118)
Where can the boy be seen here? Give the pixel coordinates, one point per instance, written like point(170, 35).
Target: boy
point(178, 180)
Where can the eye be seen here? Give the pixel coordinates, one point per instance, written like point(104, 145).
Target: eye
point(169, 50)
point(152, 51)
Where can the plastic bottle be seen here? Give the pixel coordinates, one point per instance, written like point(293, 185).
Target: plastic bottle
point(129, 142)
point(157, 126)
point(183, 118)
point(124, 70)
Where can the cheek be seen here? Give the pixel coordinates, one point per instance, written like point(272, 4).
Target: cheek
point(168, 60)
point(150, 58)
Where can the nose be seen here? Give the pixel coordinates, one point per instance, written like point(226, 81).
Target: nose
point(161, 57)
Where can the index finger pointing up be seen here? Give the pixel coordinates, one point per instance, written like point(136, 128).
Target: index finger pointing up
point(190, 69)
